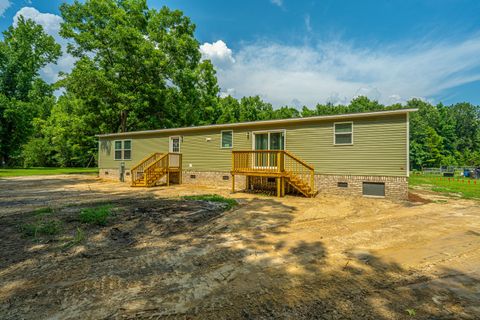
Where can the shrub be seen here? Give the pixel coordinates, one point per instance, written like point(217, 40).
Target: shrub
point(214, 198)
point(98, 215)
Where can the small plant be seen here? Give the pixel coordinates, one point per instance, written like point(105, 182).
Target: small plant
point(47, 227)
point(78, 238)
point(43, 211)
point(98, 215)
point(411, 312)
point(214, 198)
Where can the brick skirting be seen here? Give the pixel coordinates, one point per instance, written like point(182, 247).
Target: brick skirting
point(395, 187)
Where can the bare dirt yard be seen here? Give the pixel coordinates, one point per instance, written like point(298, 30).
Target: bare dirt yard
point(161, 256)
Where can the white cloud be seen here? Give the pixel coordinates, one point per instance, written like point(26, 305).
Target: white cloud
point(218, 53)
point(51, 25)
point(337, 72)
point(277, 2)
point(308, 24)
point(4, 5)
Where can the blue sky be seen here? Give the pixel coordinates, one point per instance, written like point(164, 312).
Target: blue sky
point(303, 52)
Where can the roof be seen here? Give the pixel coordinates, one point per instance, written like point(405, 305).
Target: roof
point(264, 122)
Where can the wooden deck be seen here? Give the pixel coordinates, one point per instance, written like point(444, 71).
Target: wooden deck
point(286, 168)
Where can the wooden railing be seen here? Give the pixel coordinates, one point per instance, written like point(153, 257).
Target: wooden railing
point(164, 165)
point(299, 169)
point(137, 172)
point(257, 161)
point(274, 163)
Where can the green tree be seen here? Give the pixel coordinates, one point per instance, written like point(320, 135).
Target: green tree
point(24, 50)
point(138, 68)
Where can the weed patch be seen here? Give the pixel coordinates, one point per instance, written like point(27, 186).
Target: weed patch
point(214, 198)
point(46, 227)
point(97, 216)
point(43, 211)
point(77, 239)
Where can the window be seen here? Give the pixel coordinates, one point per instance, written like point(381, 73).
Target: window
point(376, 189)
point(343, 133)
point(175, 144)
point(123, 150)
point(342, 184)
point(227, 139)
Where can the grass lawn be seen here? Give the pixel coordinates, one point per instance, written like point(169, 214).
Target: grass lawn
point(17, 172)
point(464, 187)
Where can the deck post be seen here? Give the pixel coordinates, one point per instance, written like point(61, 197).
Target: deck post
point(180, 170)
point(168, 170)
point(233, 183)
point(279, 181)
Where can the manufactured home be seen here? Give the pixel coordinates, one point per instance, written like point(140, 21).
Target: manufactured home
point(356, 154)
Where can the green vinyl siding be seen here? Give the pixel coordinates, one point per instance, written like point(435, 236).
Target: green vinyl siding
point(379, 146)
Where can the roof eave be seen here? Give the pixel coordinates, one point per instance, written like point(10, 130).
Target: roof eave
point(262, 122)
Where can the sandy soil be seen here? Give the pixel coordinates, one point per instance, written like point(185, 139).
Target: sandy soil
point(289, 258)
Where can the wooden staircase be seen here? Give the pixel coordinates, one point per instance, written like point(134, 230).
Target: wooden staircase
point(151, 170)
point(287, 168)
point(299, 175)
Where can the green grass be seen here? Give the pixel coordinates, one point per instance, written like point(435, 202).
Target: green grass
point(18, 172)
point(213, 198)
point(77, 239)
point(43, 211)
point(98, 215)
point(458, 186)
point(42, 228)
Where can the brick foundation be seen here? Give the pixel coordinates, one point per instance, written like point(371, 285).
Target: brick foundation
point(395, 187)
point(213, 178)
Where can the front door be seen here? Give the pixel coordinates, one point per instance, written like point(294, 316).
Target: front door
point(175, 144)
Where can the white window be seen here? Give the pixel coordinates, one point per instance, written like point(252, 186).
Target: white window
point(343, 133)
point(227, 139)
point(123, 150)
point(175, 144)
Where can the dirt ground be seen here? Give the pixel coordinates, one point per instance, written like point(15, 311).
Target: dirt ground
point(268, 258)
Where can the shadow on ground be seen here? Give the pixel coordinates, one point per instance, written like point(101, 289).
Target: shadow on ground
point(170, 258)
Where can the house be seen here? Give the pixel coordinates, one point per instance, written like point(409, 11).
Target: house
point(356, 154)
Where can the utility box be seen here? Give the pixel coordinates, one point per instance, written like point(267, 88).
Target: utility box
point(122, 171)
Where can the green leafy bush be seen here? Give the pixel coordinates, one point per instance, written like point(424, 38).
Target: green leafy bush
point(98, 215)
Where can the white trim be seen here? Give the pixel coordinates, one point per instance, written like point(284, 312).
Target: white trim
point(265, 122)
point(284, 131)
point(170, 144)
point(408, 145)
point(115, 150)
point(122, 149)
point(335, 134)
point(221, 139)
point(270, 131)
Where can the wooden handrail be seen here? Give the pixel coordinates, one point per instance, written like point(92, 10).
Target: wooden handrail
point(299, 160)
point(279, 163)
point(145, 160)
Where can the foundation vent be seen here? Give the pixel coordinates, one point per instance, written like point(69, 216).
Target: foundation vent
point(376, 189)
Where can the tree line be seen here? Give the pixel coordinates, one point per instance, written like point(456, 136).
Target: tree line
point(139, 68)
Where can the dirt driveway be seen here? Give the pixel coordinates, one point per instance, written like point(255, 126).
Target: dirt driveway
point(268, 258)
